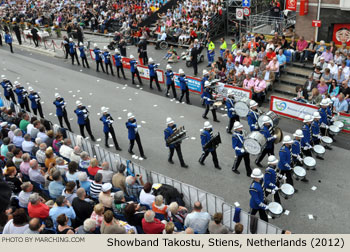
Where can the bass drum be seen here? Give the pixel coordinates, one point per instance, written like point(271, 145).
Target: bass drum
point(279, 133)
point(254, 143)
point(242, 107)
point(274, 120)
point(275, 209)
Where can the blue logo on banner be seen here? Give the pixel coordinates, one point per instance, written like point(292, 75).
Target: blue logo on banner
point(245, 3)
point(193, 84)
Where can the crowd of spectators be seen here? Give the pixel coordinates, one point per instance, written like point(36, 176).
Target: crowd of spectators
point(56, 188)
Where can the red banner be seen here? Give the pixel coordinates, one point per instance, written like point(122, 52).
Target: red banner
point(341, 34)
point(291, 5)
point(304, 7)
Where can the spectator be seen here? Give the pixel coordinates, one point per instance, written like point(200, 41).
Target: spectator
point(11, 133)
point(340, 105)
point(42, 134)
point(69, 191)
point(50, 138)
point(56, 187)
point(72, 174)
point(63, 207)
point(132, 187)
point(63, 227)
point(327, 55)
point(132, 215)
point(146, 196)
point(274, 66)
point(270, 55)
point(216, 227)
point(238, 228)
point(36, 173)
point(282, 60)
point(35, 130)
point(119, 202)
point(82, 207)
point(83, 182)
point(17, 158)
point(110, 225)
point(97, 214)
point(88, 227)
point(14, 182)
point(23, 197)
point(36, 146)
point(159, 207)
point(4, 146)
point(338, 59)
point(61, 165)
point(37, 208)
point(57, 142)
point(50, 157)
point(84, 161)
point(18, 224)
point(75, 155)
point(327, 76)
point(27, 144)
point(333, 89)
point(322, 65)
point(339, 77)
point(322, 87)
point(66, 149)
point(24, 122)
point(177, 214)
point(40, 154)
point(151, 225)
point(18, 139)
point(198, 220)
point(96, 186)
point(24, 166)
point(248, 83)
point(35, 227)
point(259, 90)
point(310, 51)
point(106, 173)
point(301, 47)
point(315, 97)
point(269, 76)
point(105, 197)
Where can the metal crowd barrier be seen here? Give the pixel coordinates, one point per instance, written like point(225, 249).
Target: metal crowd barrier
point(210, 202)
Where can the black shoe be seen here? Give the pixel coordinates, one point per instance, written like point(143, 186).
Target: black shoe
point(229, 132)
point(328, 147)
point(204, 117)
point(248, 175)
point(305, 180)
point(118, 149)
point(188, 103)
point(144, 157)
point(216, 121)
point(321, 158)
point(107, 145)
point(125, 78)
point(151, 87)
point(160, 90)
point(236, 171)
point(218, 167)
point(184, 166)
point(170, 161)
point(201, 163)
point(258, 164)
point(131, 152)
point(296, 190)
point(93, 139)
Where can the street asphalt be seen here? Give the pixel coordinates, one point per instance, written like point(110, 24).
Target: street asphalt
point(320, 206)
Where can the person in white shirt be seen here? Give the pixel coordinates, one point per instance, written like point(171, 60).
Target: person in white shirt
point(198, 220)
point(23, 196)
point(27, 144)
point(65, 150)
point(146, 196)
point(36, 174)
point(40, 154)
point(42, 133)
point(248, 68)
point(333, 67)
point(75, 155)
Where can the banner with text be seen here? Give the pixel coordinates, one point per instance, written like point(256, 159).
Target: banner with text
point(194, 84)
point(239, 93)
point(144, 73)
point(345, 118)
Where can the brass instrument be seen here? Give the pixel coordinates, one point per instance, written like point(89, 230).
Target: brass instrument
point(177, 136)
point(213, 142)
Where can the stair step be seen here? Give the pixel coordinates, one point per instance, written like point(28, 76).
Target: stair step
point(297, 71)
point(285, 89)
point(292, 80)
point(303, 65)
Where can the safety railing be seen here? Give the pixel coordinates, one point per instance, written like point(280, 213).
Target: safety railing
point(210, 202)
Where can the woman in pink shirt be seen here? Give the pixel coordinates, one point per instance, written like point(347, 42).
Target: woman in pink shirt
point(24, 166)
point(248, 83)
point(259, 90)
point(322, 87)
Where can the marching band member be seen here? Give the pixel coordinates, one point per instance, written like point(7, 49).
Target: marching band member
point(237, 145)
point(98, 58)
point(271, 177)
point(107, 120)
point(207, 96)
point(253, 116)
point(297, 156)
point(73, 51)
point(285, 160)
point(35, 100)
point(61, 111)
point(306, 140)
point(329, 109)
point(119, 63)
point(83, 119)
point(83, 57)
point(8, 92)
point(269, 147)
point(171, 127)
point(231, 114)
point(133, 135)
point(22, 96)
point(204, 79)
point(184, 87)
point(134, 71)
point(324, 122)
point(315, 128)
point(206, 135)
point(153, 74)
point(257, 195)
point(107, 60)
point(170, 83)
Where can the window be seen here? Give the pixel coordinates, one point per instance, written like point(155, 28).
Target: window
point(344, 4)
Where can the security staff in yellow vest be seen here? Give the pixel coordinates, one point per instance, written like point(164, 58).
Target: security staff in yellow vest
point(223, 47)
point(211, 52)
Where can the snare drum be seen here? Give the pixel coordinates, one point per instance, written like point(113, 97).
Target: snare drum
point(309, 162)
point(274, 120)
point(275, 209)
point(339, 124)
point(217, 104)
point(326, 141)
point(299, 172)
point(242, 107)
point(287, 191)
point(334, 130)
point(254, 143)
point(319, 150)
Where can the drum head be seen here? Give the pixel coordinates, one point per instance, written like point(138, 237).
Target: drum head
point(327, 139)
point(260, 123)
point(241, 108)
point(279, 133)
point(319, 149)
point(275, 208)
point(339, 124)
point(287, 189)
point(300, 171)
point(252, 146)
point(309, 161)
point(334, 129)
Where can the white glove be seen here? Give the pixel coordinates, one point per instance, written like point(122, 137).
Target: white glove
point(319, 137)
point(306, 148)
point(242, 150)
point(275, 136)
point(276, 188)
point(327, 127)
point(300, 159)
point(232, 109)
point(266, 207)
point(273, 192)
